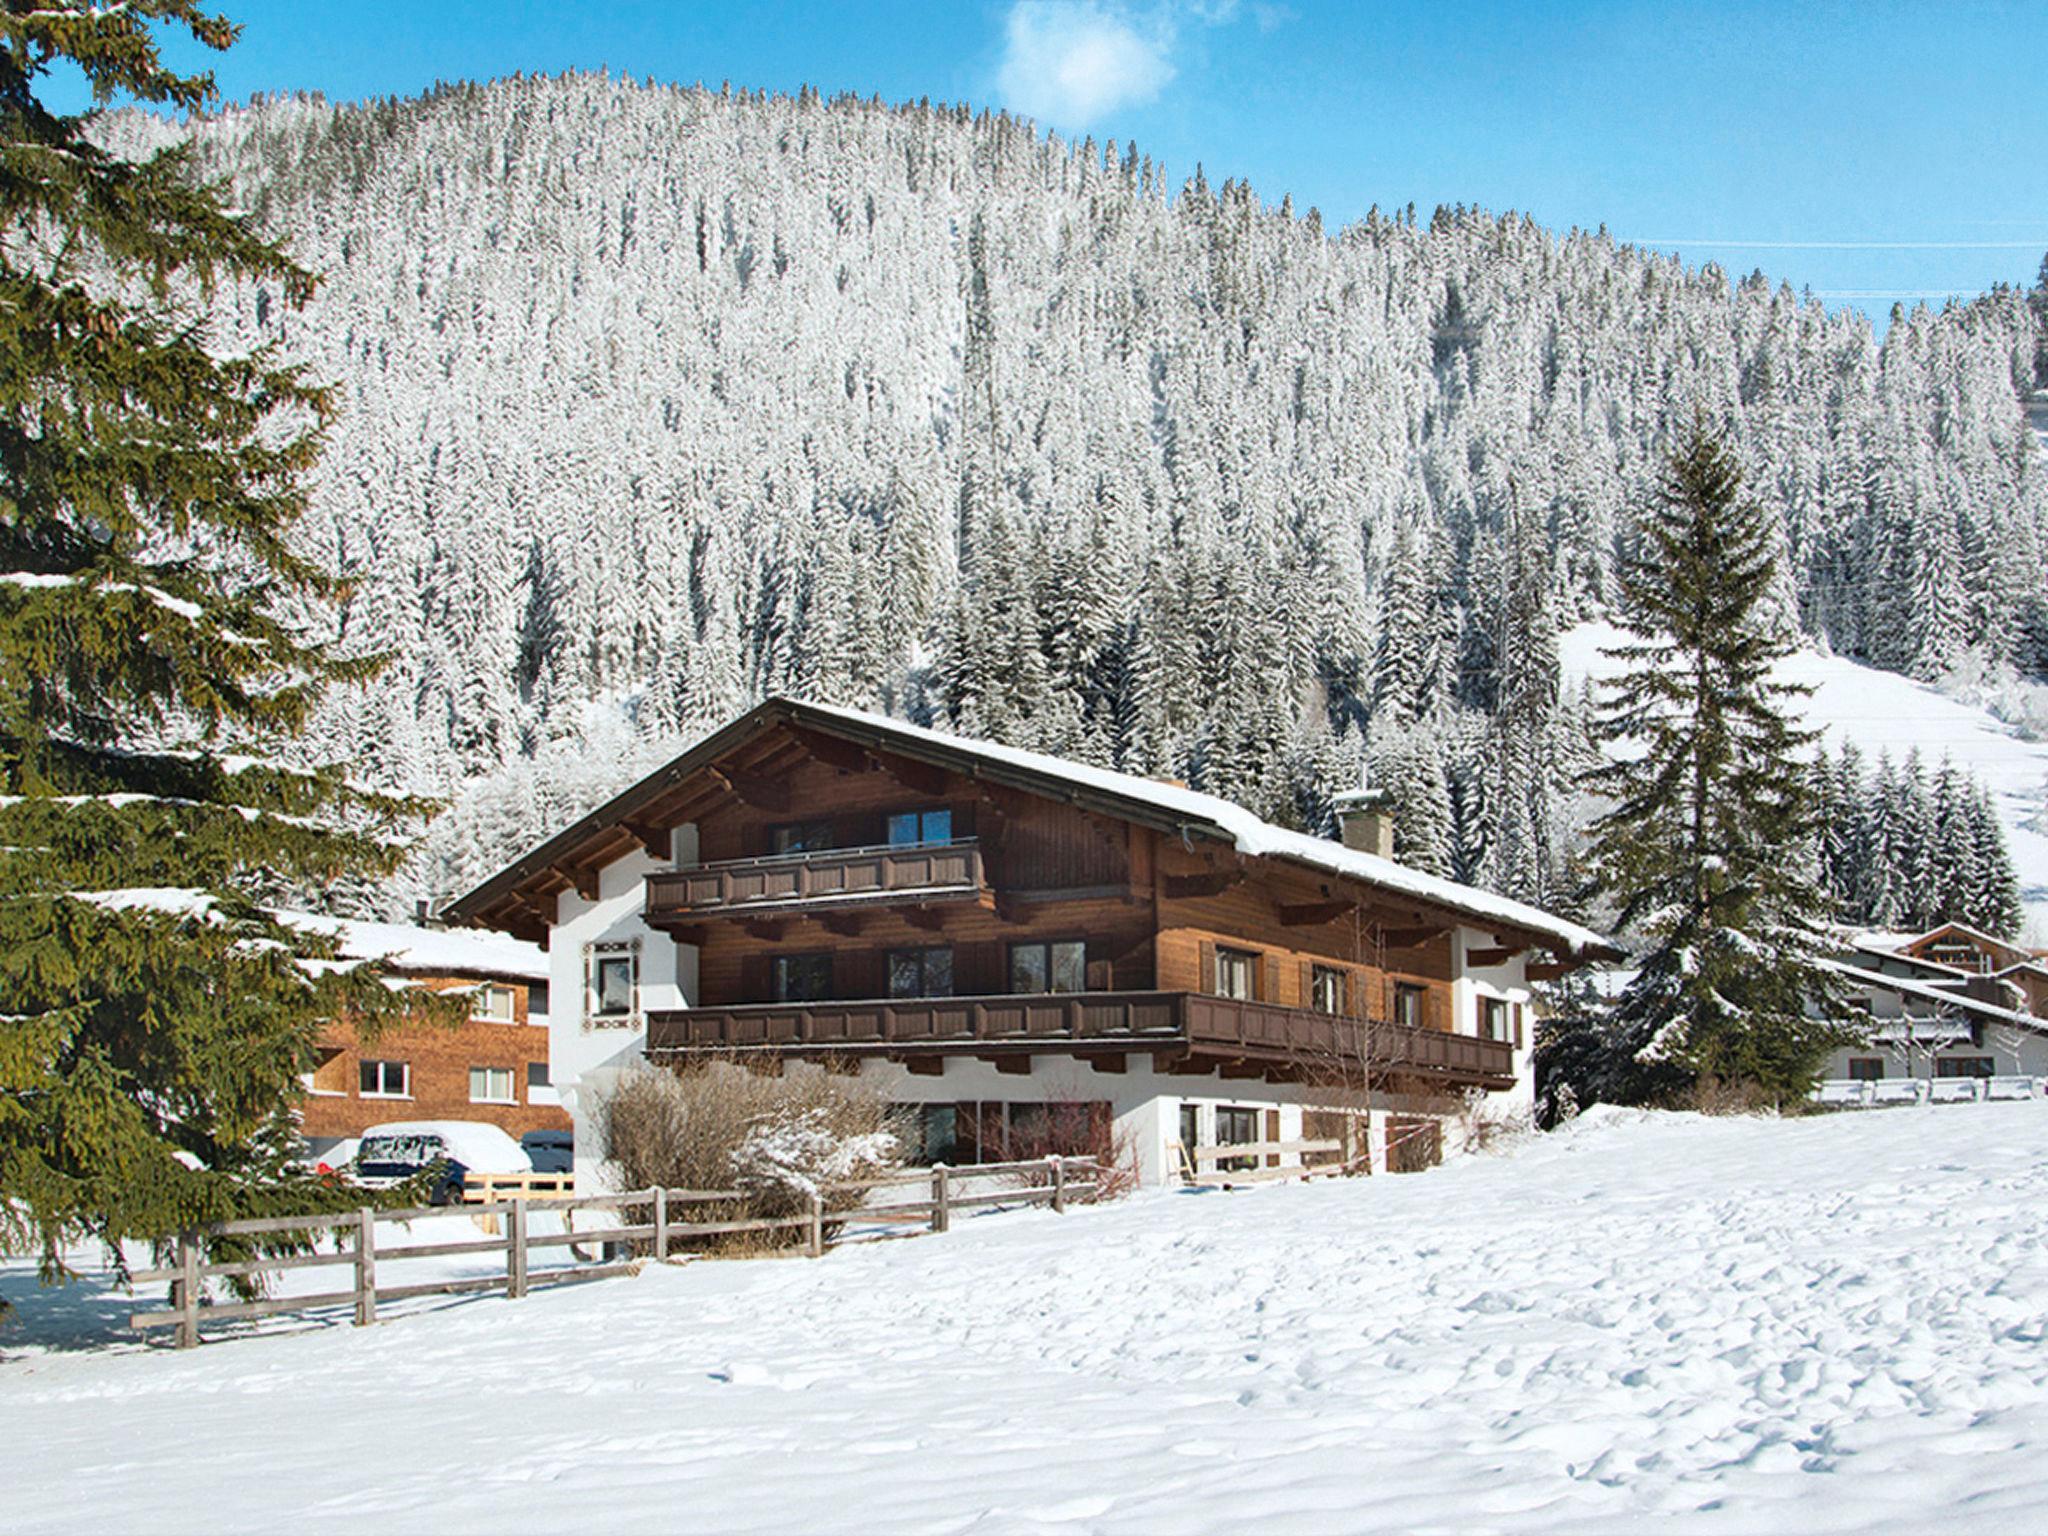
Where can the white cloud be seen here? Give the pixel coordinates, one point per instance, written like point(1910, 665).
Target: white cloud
point(1068, 62)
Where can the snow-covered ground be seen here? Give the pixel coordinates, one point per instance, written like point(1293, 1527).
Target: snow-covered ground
point(1884, 712)
point(1819, 1325)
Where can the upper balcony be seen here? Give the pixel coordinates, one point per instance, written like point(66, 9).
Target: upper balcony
point(1193, 1030)
point(790, 884)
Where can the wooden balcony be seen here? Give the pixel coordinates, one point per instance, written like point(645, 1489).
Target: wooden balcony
point(1197, 1032)
point(822, 879)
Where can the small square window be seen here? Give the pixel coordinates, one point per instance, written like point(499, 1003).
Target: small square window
point(921, 973)
point(1866, 1069)
point(1058, 966)
point(803, 978)
point(493, 1004)
point(537, 1075)
point(1236, 974)
point(490, 1085)
point(386, 1080)
point(932, 826)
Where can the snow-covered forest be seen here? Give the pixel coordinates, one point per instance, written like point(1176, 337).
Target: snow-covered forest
point(656, 400)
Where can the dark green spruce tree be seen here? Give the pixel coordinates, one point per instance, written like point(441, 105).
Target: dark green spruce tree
point(160, 645)
point(1706, 851)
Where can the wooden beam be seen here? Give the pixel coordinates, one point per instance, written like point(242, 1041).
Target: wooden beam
point(1408, 938)
point(925, 1066)
point(1211, 883)
point(921, 777)
point(1311, 914)
point(1490, 956)
point(764, 929)
point(1548, 970)
point(848, 925)
point(927, 919)
point(653, 838)
point(1242, 1069)
point(583, 877)
point(1108, 1061)
point(752, 789)
point(835, 752)
point(1014, 1066)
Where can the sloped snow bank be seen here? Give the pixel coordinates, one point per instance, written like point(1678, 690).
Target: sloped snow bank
point(1828, 1324)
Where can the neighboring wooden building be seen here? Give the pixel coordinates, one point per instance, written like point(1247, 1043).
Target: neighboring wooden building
point(494, 1068)
point(1008, 941)
point(1949, 1003)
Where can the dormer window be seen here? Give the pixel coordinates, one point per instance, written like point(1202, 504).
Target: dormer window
point(929, 826)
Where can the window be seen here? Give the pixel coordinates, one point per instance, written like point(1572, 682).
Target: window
point(386, 1080)
point(1408, 1004)
point(1493, 1019)
point(494, 1004)
point(803, 978)
point(801, 837)
point(613, 978)
point(1236, 1127)
point(1866, 1069)
point(1190, 1131)
point(938, 1128)
point(921, 973)
point(1965, 1066)
point(491, 1085)
point(934, 826)
point(1235, 970)
point(1059, 966)
point(1326, 990)
point(536, 1000)
point(537, 1076)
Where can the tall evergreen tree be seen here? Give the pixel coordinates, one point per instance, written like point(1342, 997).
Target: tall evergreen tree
point(154, 612)
point(1705, 851)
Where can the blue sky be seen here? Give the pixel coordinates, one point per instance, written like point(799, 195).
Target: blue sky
point(1869, 151)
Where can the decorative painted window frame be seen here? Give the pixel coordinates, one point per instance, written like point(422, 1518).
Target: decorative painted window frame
point(605, 949)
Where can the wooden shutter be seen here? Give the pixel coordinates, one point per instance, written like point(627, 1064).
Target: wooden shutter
point(1269, 981)
point(1307, 997)
point(1517, 1008)
point(1099, 976)
point(1272, 1134)
point(757, 978)
point(1208, 961)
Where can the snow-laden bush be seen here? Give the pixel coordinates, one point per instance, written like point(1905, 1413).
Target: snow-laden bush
point(801, 1151)
point(717, 1126)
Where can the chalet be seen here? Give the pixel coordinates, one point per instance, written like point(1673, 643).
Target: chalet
point(492, 1068)
point(1949, 1003)
point(995, 936)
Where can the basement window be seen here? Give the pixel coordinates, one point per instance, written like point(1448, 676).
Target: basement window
point(1965, 1066)
point(1866, 1069)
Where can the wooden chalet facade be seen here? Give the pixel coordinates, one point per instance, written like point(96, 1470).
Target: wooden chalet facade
point(997, 934)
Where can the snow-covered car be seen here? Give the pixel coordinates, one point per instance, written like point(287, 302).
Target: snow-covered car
point(401, 1149)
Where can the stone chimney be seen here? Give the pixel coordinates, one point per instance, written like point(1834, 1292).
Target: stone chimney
point(1365, 820)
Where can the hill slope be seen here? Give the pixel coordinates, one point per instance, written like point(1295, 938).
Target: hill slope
point(672, 398)
point(1883, 712)
point(1736, 1325)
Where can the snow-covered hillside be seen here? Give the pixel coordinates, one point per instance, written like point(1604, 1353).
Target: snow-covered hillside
point(1884, 712)
point(1722, 1325)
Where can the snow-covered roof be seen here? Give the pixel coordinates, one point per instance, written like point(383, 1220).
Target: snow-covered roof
point(1902, 987)
point(430, 951)
point(1187, 810)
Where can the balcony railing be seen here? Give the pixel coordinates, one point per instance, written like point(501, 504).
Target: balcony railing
point(1305, 1042)
point(824, 877)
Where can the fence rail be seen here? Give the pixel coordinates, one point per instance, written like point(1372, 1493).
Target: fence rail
point(1063, 1180)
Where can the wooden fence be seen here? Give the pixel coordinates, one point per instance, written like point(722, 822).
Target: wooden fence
point(1056, 1182)
point(1206, 1165)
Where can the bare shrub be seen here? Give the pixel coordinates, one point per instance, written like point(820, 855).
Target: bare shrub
point(715, 1125)
point(1488, 1126)
point(1079, 1128)
point(1712, 1096)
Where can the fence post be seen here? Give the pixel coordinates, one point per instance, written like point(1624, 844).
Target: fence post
point(515, 1250)
point(816, 1230)
point(366, 1267)
point(187, 1289)
point(1059, 1183)
point(660, 1225)
point(942, 1215)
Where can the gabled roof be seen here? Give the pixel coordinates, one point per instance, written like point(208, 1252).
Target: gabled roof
point(1899, 986)
point(1168, 807)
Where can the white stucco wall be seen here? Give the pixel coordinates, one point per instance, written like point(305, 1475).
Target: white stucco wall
point(584, 1053)
point(1510, 983)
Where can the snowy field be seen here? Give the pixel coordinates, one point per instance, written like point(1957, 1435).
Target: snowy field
point(1818, 1325)
point(1884, 712)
